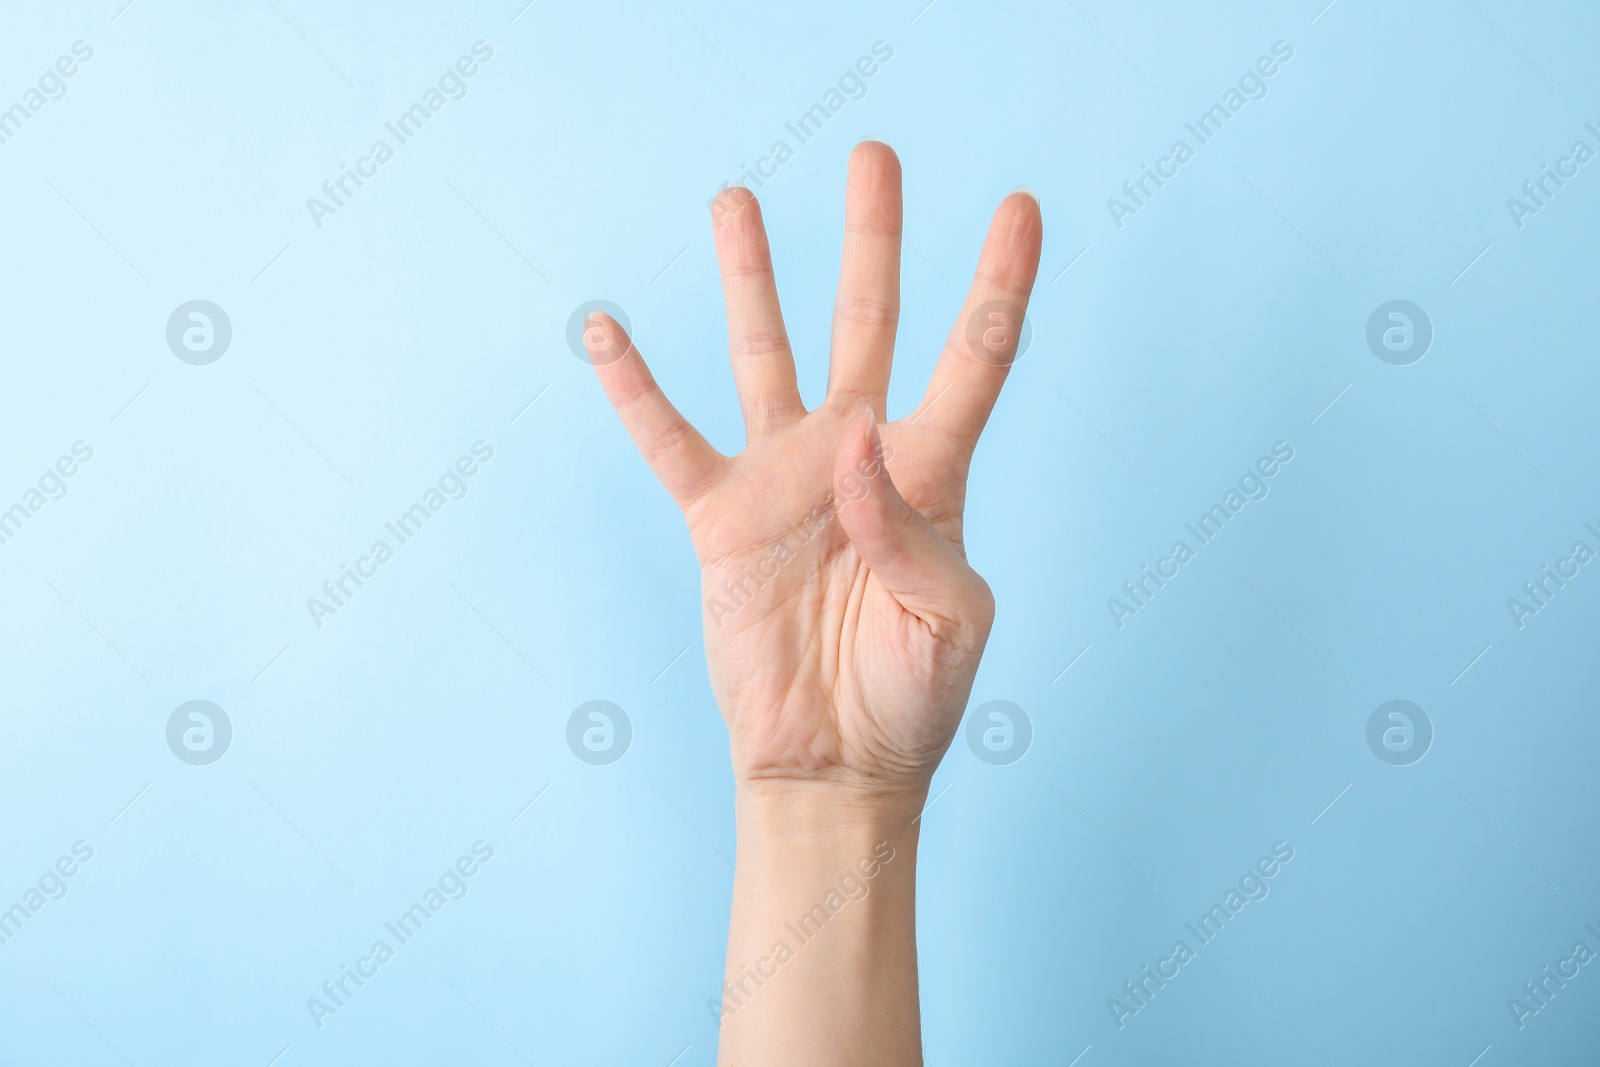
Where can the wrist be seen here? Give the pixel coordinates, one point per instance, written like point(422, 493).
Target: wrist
point(800, 813)
point(823, 926)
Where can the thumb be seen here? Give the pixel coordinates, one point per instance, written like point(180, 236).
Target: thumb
point(908, 556)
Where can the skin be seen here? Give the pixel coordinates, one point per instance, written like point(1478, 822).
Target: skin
point(843, 623)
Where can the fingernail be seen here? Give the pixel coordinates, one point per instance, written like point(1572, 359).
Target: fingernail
point(880, 140)
point(1030, 190)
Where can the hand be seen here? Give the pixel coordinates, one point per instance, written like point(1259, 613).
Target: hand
point(843, 623)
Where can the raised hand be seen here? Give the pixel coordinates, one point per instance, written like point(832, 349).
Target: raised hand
point(843, 623)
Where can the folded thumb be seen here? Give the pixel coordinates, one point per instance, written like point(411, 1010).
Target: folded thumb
point(906, 554)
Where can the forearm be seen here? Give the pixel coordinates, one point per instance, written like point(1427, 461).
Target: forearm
point(822, 955)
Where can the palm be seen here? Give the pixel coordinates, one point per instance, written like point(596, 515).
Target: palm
point(843, 624)
point(816, 661)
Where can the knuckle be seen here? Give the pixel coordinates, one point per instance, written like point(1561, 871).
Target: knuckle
point(759, 343)
point(664, 440)
point(641, 389)
point(766, 407)
point(867, 311)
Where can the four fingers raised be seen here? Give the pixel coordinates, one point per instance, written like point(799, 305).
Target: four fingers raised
point(966, 382)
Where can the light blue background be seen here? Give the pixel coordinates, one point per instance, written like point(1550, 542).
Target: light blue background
point(370, 353)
